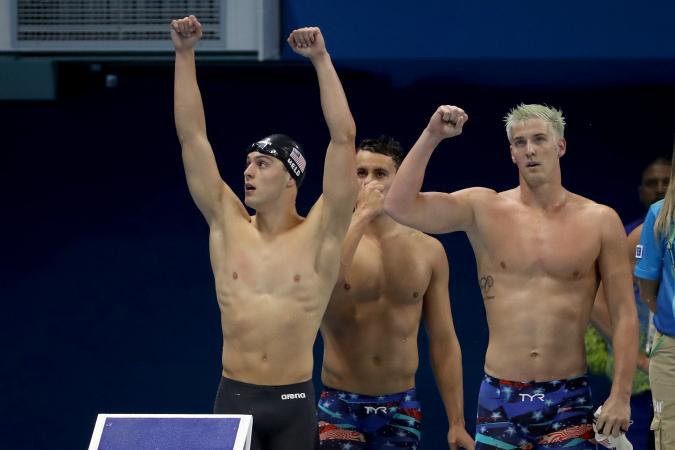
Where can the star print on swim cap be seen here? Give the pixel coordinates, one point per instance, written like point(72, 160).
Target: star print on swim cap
point(286, 150)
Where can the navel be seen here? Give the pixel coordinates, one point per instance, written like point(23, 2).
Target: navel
point(347, 286)
point(235, 275)
point(416, 294)
point(502, 264)
point(296, 278)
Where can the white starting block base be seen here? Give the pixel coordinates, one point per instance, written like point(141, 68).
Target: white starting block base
point(172, 432)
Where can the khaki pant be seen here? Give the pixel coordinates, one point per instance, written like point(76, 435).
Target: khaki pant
point(662, 381)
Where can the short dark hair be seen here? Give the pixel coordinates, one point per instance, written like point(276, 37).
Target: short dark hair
point(660, 161)
point(384, 145)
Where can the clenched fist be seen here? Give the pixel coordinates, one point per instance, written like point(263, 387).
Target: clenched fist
point(307, 42)
point(447, 121)
point(185, 32)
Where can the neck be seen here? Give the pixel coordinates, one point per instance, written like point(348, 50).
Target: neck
point(381, 225)
point(276, 218)
point(542, 192)
point(547, 195)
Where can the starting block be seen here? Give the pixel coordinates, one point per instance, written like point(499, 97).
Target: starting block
point(172, 432)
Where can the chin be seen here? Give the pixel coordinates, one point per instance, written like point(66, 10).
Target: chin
point(536, 181)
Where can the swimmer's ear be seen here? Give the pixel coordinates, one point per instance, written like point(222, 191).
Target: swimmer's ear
point(291, 182)
point(562, 147)
point(513, 158)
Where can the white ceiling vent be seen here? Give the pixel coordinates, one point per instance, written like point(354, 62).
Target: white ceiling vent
point(238, 26)
point(109, 20)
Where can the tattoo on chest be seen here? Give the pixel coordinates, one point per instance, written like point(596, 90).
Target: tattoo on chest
point(486, 284)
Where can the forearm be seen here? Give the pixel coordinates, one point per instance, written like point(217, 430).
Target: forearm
point(648, 291)
point(334, 101)
point(600, 315)
point(651, 303)
point(446, 362)
point(410, 176)
point(643, 362)
point(188, 108)
point(625, 343)
point(604, 328)
point(357, 228)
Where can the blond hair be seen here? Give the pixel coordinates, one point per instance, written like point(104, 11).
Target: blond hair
point(525, 112)
point(664, 221)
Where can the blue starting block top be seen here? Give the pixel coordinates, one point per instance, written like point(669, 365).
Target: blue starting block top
point(171, 432)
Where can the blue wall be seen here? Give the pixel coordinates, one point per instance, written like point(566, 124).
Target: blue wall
point(106, 291)
point(497, 42)
point(463, 29)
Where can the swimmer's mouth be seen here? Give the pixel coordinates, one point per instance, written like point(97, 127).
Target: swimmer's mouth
point(532, 164)
point(249, 187)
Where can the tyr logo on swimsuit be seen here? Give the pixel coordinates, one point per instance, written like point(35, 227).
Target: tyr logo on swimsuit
point(292, 396)
point(539, 397)
point(375, 409)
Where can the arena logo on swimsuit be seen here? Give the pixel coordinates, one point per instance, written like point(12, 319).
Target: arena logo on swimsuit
point(292, 396)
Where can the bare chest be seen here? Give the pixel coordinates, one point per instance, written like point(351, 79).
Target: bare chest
point(398, 273)
point(557, 245)
point(283, 266)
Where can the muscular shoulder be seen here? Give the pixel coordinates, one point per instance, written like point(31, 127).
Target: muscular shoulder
point(596, 214)
point(478, 194)
point(429, 246)
point(477, 198)
point(333, 220)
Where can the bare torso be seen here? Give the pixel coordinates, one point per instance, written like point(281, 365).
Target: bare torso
point(371, 324)
point(538, 275)
point(272, 292)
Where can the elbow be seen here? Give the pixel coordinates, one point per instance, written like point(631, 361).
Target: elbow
point(346, 135)
point(181, 138)
point(389, 206)
point(393, 207)
point(189, 140)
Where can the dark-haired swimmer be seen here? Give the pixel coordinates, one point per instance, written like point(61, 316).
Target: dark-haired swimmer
point(391, 277)
point(274, 271)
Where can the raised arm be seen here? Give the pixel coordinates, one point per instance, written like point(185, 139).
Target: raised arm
point(339, 176)
point(431, 212)
point(616, 279)
point(444, 350)
point(204, 181)
point(369, 204)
